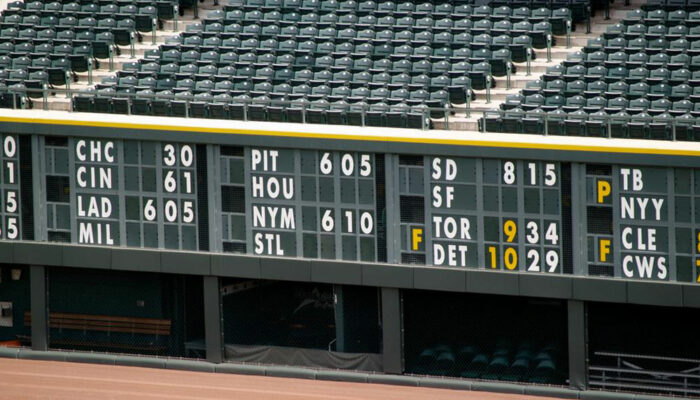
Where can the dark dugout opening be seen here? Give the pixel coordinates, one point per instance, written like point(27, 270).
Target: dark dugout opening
point(304, 324)
point(126, 312)
point(487, 337)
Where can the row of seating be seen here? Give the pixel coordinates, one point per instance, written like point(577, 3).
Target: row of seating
point(648, 31)
point(671, 5)
point(616, 123)
point(520, 47)
point(631, 60)
point(407, 8)
point(525, 364)
point(454, 93)
point(654, 74)
point(539, 34)
point(414, 79)
point(339, 113)
point(165, 9)
point(558, 16)
point(287, 52)
point(268, 67)
point(618, 102)
point(609, 90)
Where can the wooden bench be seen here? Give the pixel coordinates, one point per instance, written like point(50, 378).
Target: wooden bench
point(106, 323)
point(109, 324)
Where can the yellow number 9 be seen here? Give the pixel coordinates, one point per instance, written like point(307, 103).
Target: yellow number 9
point(510, 229)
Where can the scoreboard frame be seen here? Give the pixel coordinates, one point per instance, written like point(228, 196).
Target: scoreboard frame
point(388, 145)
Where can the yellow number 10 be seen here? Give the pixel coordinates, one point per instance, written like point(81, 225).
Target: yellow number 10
point(510, 257)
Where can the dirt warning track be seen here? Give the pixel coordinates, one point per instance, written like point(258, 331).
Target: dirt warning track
point(28, 379)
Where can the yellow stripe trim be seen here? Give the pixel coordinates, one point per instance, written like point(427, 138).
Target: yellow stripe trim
point(455, 142)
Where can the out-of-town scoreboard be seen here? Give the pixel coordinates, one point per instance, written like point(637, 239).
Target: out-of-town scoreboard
point(507, 214)
point(473, 212)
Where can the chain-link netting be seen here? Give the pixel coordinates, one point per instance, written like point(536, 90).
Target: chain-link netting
point(119, 312)
point(643, 349)
point(14, 303)
point(485, 337)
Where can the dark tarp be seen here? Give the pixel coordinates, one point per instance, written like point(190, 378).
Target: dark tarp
point(304, 357)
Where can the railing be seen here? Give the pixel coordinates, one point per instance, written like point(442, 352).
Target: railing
point(605, 126)
point(624, 372)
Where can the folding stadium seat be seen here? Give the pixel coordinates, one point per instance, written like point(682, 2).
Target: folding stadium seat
point(683, 127)
point(596, 103)
point(386, 7)
point(405, 7)
point(679, 60)
point(639, 104)
point(597, 72)
point(661, 104)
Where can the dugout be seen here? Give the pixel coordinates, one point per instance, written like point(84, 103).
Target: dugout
point(478, 336)
point(125, 312)
point(643, 348)
point(14, 301)
point(302, 324)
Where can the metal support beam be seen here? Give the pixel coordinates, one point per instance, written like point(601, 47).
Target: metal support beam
point(577, 344)
point(39, 307)
point(339, 318)
point(392, 332)
point(213, 332)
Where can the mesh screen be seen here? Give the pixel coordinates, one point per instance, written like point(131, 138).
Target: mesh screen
point(116, 312)
point(485, 337)
point(567, 256)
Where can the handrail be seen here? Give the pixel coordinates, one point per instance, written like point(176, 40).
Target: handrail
point(640, 356)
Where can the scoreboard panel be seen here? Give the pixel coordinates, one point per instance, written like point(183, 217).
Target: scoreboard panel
point(122, 193)
point(10, 196)
point(628, 221)
point(471, 212)
point(299, 203)
point(507, 214)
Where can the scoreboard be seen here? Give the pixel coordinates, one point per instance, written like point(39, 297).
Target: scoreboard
point(491, 212)
point(300, 203)
point(122, 193)
point(472, 212)
point(643, 222)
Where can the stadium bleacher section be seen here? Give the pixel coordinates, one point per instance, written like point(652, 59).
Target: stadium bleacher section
point(639, 79)
point(50, 45)
point(395, 64)
point(366, 63)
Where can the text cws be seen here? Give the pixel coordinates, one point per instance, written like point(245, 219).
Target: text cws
point(643, 252)
point(9, 188)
